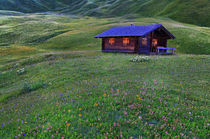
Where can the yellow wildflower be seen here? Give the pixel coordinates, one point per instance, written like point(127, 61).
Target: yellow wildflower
point(96, 104)
point(104, 94)
point(68, 124)
point(69, 110)
point(80, 115)
point(80, 109)
point(137, 95)
point(118, 90)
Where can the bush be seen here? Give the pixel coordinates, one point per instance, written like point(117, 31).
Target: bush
point(140, 59)
point(27, 87)
point(38, 85)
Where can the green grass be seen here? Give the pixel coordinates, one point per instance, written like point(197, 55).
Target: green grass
point(92, 94)
point(53, 32)
point(55, 82)
point(191, 11)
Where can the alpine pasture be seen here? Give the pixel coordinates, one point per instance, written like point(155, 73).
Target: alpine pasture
point(56, 83)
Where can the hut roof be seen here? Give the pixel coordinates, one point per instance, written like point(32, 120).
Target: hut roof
point(133, 30)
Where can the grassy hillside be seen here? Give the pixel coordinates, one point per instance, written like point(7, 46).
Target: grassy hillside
point(90, 94)
point(40, 33)
point(55, 82)
point(191, 11)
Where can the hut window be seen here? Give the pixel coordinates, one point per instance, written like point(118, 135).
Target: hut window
point(111, 41)
point(154, 42)
point(126, 41)
point(144, 41)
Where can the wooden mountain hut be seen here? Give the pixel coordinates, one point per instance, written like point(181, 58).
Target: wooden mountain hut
point(141, 39)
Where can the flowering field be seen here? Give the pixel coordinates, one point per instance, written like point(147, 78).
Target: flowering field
point(91, 94)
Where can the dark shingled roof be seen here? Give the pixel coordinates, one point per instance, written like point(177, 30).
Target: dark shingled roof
point(132, 30)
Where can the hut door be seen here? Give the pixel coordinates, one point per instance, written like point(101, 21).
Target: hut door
point(144, 45)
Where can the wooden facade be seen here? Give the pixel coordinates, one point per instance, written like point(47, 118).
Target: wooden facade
point(129, 44)
point(146, 44)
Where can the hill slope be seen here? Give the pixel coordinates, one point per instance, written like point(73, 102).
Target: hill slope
point(190, 11)
point(29, 34)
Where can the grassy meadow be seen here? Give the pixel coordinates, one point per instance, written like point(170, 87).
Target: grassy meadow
point(55, 82)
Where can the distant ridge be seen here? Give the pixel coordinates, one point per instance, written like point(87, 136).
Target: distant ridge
point(188, 11)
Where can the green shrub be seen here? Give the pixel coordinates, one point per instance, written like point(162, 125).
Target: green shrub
point(28, 87)
point(37, 85)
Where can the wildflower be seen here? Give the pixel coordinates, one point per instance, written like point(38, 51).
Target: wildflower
point(99, 119)
point(125, 113)
point(68, 124)
point(137, 95)
point(96, 104)
point(104, 94)
point(2, 125)
point(114, 124)
point(69, 110)
point(155, 82)
point(80, 109)
point(167, 133)
point(118, 90)
point(80, 115)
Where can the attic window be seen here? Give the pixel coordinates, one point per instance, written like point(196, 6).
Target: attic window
point(126, 41)
point(111, 41)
